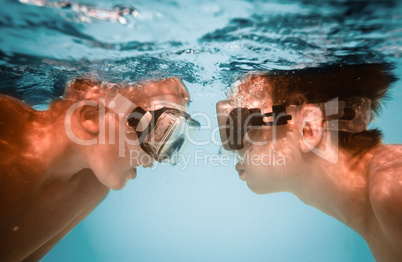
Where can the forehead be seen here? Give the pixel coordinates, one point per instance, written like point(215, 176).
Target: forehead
point(153, 94)
point(254, 91)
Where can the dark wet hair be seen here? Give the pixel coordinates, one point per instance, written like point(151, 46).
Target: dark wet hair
point(83, 84)
point(79, 88)
point(317, 85)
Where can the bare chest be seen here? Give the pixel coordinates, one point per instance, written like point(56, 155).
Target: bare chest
point(34, 217)
point(385, 247)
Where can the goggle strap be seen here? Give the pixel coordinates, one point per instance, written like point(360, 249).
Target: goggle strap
point(135, 117)
point(278, 114)
point(351, 116)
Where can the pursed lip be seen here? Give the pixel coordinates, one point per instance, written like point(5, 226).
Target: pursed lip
point(240, 170)
point(134, 174)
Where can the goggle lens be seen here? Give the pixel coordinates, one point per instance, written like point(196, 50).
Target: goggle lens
point(171, 136)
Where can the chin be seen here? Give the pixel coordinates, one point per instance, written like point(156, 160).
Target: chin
point(119, 181)
point(260, 190)
point(256, 189)
point(118, 186)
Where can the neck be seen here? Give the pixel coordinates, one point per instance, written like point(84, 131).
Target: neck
point(339, 190)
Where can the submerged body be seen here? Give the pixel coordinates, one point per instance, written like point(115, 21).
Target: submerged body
point(364, 192)
point(349, 174)
point(48, 182)
point(38, 207)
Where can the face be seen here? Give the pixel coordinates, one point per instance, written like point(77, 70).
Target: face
point(115, 158)
point(270, 154)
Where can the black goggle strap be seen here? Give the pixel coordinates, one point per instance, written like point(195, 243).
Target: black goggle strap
point(342, 112)
point(352, 115)
point(242, 120)
point(279, 116)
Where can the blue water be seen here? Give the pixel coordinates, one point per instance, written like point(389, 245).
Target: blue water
point(202, 212)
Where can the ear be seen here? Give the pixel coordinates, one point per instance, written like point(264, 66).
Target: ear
point(88, 118)
point(311, 127)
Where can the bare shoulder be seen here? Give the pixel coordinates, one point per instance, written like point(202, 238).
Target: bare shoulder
point(386, 163)
point(385, 176)
point(9, 103)
point(12, 109)
point(14, 115)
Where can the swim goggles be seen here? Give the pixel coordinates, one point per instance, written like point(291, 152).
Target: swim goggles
point(352, 115)
point(164, 134)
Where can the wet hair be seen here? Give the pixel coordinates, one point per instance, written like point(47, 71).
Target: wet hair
point(83, 84)
point(318, 85)
point(93, 89)
point(82, 88)
point(140, 93)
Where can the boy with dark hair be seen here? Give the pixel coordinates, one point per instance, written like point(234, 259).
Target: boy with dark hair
point(311, 125)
